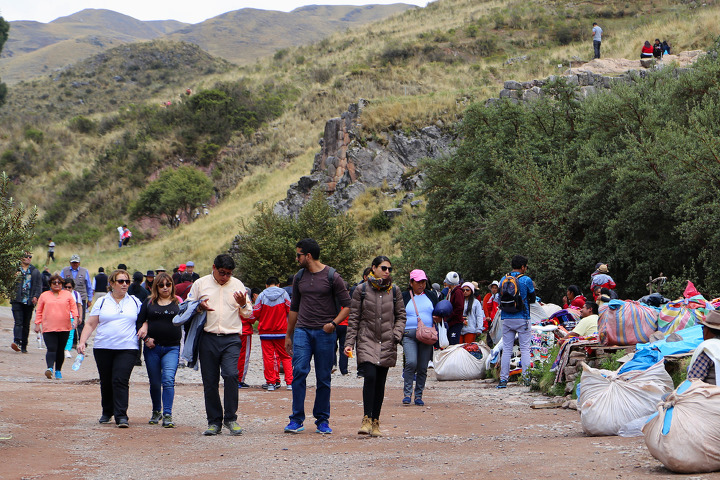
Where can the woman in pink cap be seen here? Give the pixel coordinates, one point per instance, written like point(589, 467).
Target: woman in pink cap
point(419, 304)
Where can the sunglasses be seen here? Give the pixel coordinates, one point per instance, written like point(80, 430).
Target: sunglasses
point(27, 256)
point(466, 290)
point(68, 287)
point(164, 285)
point(56, 283)
point(385, 268)
point(121, 281)
point(298, 255)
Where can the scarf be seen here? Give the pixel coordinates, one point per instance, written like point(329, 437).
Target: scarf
point(380, 284)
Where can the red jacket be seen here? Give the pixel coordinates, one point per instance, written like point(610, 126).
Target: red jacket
point(271, 310)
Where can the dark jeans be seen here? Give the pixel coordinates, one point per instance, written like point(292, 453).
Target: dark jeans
point(454, 333)
point(596, 47)
point(218, 356)
point(22, 313)
point(55, 344)
point(374, 389)
point(162, 364)
point(341, 332)
point(417, 357)
point(114, 368)
point(308, 343)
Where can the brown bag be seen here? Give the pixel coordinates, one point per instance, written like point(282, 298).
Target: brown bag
point(426, 335)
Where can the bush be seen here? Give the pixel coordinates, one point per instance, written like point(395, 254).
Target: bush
point(380, 222)
point(320, 75)
point(33, 134)
point(82, 124)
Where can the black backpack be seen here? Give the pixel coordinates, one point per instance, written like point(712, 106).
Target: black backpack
point(510, 299)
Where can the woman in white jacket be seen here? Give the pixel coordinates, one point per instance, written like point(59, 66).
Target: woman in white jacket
point(473, 315)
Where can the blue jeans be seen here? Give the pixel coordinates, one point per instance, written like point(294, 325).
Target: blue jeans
point(162, 364)
point(308, 342)
point(417, 358)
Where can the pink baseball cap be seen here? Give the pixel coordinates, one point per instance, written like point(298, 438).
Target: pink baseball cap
point(418, 275)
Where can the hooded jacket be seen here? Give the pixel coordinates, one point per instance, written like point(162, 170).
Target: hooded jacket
point(271, 310)
point(376, 325)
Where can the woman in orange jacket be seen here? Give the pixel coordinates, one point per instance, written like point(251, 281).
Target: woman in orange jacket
point(56, 312)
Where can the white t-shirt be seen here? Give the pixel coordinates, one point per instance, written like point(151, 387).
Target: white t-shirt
point(116, 329)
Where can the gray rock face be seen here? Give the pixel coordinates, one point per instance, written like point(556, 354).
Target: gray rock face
point(344, 168)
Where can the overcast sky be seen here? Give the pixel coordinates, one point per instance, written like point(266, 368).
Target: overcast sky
point(183, 10)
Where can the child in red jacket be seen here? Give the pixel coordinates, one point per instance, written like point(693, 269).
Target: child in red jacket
point(271, 310)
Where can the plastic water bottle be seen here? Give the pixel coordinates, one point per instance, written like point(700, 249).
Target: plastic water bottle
point(78, 361)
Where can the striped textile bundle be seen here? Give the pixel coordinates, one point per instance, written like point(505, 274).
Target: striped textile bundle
point(626, 322)
point(683, 313)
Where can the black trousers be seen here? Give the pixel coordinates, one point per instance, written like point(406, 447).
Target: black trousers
point(373, 388)
point(218, 356)
point(114, 368)
point(22, 314)
point(55, 343)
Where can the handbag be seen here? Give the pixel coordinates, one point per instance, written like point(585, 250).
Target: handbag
point(426, 335)
point(442, 335)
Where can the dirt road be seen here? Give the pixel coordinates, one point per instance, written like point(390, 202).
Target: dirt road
point(466, 430)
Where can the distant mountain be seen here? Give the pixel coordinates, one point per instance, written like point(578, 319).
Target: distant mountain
point(240, 36)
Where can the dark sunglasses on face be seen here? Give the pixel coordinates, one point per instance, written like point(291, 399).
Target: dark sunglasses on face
point(385, 268)
point(466, 290)
point(164, 285)
point(56, 283)
point(126, 282)
point(27, 256)
point(68, 287)
point(298, 255)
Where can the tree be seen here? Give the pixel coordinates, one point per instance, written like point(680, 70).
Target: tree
point(176, 191)
point(4, 32)
point(16, 233)
point(266, 244)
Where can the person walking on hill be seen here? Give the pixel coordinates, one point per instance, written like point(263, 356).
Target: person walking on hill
point(50, 252)
point(597, 39)
point(56, 313)
point(515, 315)
point(27, 292)
point(375, 328)
point(271, 310)
point(223, 297)
point(82, 285)
point(318, 293)
point(99, 284)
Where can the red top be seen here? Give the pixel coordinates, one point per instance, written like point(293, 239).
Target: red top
point(54, 311)
point(648, 49)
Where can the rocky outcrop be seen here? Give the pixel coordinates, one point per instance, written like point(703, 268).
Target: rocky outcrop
point(346, 166)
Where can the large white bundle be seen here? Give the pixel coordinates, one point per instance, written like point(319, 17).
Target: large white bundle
point(685, 434)
point(607, 403)
point(456, 363)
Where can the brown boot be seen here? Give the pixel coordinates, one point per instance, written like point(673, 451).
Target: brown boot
point(366, 426)
point(375, 432)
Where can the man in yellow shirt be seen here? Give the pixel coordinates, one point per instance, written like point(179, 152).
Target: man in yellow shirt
point(588, 324)
point(222, 296)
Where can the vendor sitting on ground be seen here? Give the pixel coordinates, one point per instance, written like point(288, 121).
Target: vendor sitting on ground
point(705, 359)
point(588, 324)
point(573, 298)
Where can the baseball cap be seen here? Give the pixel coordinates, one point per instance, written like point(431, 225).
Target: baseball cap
point(190, 264)
point(75, 258)
point(418, 275)
point(182, 267)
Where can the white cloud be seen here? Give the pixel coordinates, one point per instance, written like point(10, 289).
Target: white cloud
point(182, 10)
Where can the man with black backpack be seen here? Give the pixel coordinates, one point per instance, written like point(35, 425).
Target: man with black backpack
point(516, 294)
point(320, 301)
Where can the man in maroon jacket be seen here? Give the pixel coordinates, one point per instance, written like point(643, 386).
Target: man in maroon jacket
point(457, 299)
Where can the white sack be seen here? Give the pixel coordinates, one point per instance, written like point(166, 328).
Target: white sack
point(456, 363)
point(609, 403)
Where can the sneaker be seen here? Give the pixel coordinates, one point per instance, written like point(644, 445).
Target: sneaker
point(294, 427)
point(49, 373)
point(234, 428)
point(243, 385)
point(419, 402)
point(68, 354)
point(406, 401)
point(288, 386)
point(271, 388)
point(168, 421)
point(155, 417)
point(15, 346)
point(324, 428)
point(430, 364)
point(502, 384)
point(277, 385)
point(122, 422)
point(58, 375)
point(212, 430)
point(104, 419)
point(264, 386)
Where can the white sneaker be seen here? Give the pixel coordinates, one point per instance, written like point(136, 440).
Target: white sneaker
point(68, 354)
point(270, 387)
point(430, 364)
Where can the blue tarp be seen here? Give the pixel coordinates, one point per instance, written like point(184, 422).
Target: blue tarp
point(648, 354)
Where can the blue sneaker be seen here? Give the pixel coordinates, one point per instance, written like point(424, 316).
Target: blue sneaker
point(58, 375)
point(294, 427)
point(502, 384)
point(419, 402)
point(406, 401)
point(323, 428)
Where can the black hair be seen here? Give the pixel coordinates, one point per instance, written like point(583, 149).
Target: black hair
point(70, 281)
point(122, 266)
point(137, 277)
point(518, 261)
point(255, 291)
point(594, 23)
point(366, 272)
point(310, 247)
point(185, 277)
point(101, 270)
point(225, 261)
point(471, 301)
point(272, 281)
point(593, 306)
point(380, 259)
point(574, 289)
point(605, 291)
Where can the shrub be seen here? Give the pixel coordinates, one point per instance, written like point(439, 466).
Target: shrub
point(380, 222)
point(33, 134)
point(320, 75)
point(82, 124)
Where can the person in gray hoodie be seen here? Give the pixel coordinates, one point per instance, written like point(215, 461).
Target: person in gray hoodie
point(271, 310)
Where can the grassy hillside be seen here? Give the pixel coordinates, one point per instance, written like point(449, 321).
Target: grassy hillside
point(416, 68)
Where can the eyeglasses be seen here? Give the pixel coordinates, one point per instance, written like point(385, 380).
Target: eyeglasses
point(385, 268)
point(68, 287)
point(27, 256)
point(122, 280)
point(56, 283)
point(466, 290)
point(164, 285)
point(224, 274)
point(298, 255)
